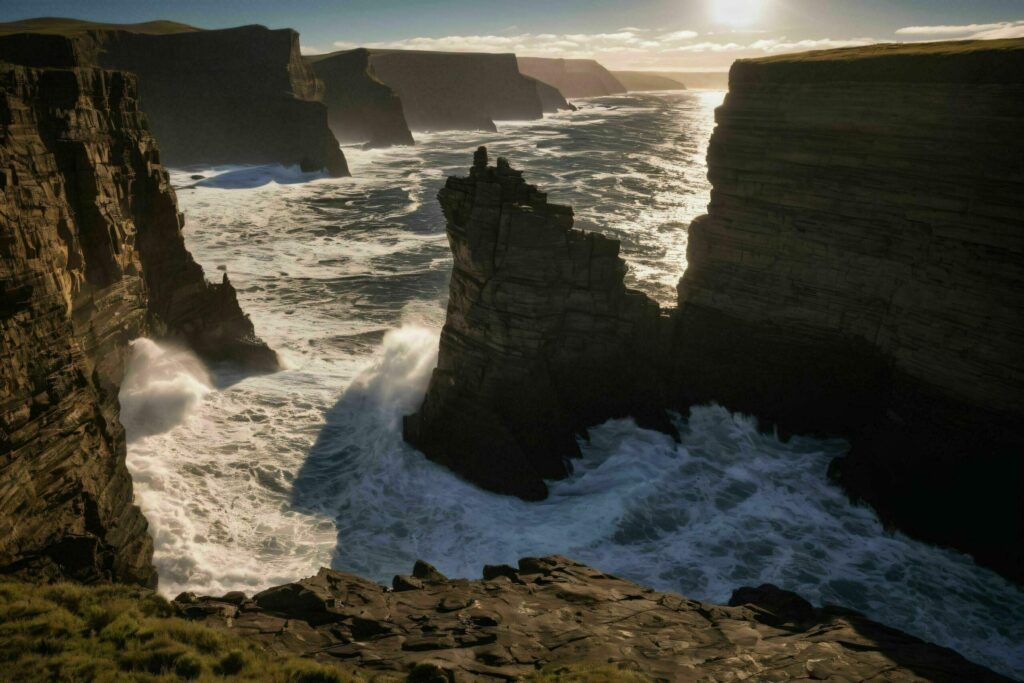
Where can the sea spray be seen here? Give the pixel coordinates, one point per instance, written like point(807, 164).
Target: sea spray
point(162, 385)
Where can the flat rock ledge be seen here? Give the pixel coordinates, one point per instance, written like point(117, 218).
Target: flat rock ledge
point(552, 610)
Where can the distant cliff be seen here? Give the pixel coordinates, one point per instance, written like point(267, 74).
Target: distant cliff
point(457, 90)
point(91, 257)
point(240, 95)
point(551, 100)
point(360, 108)
point(647, 80)
point(860, 272)
point(572, 77)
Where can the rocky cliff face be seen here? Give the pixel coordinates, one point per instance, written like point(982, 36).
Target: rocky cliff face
point(542, 337)
point(360, 108)
point(91, 256)
point(860, 271)
point(572, 77)
point(552, 611)
point(457, 91)
point(241, 95)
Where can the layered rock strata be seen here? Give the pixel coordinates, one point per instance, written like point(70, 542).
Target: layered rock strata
point(233, 96)
point(542, 337)
point(457, 90)
point(572, 77)
point(91, 257)
point(552, 611)
point(860, 272)
point(360, 107)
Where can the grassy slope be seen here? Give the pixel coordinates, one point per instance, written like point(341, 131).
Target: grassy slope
point(67, 27)
point(956, 47)
point(68, 632)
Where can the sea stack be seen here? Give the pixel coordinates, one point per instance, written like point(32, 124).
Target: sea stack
point(233, 96)
point(542, 338)
point(92, 257)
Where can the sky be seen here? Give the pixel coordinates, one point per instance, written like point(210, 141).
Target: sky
point(664, 35)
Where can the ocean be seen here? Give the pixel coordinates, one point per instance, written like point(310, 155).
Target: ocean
point(250, 481)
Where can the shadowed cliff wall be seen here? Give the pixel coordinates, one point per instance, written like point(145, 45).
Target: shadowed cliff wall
point(360, 108)
point(91, 257)
point(457, 91)
point(239, 95)
point(572, 77)
point(860, 271)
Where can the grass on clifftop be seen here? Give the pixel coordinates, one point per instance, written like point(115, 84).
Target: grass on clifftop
point(66, 27)
point(68, 632)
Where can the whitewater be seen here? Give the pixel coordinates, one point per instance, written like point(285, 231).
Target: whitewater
point(250, 481)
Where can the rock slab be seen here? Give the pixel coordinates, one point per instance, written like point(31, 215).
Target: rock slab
point(552, 611)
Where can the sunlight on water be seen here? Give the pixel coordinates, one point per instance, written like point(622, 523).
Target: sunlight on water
point(248, 482)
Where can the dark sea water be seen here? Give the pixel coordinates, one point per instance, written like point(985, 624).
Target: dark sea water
point(251, 481)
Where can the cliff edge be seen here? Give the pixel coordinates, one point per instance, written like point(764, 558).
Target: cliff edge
point(91, 257)
point(232, 96)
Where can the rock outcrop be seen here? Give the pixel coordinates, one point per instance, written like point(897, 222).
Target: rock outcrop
point(860, 272)
point(542, 337)
point(457, 90)
point(231, 96)
point(647, 80)
point(360, 107)
point(551, 611)
point(572, 77)
point(91, 257)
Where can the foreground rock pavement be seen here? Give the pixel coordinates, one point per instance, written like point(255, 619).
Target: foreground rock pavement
point(553, 610)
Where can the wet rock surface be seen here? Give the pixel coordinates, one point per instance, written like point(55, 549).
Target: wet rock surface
point(552, 610)
point(541, 340)
point(91, 257)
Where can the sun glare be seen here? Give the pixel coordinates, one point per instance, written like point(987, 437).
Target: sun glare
point(736, 13)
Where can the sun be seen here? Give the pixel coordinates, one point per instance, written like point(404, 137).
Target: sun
point(736, 13)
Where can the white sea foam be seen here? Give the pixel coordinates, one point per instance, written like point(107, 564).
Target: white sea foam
point(269, 477)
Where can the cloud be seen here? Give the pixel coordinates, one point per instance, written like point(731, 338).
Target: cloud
point(1002, 29)
point(310, 50)
point(627, 48)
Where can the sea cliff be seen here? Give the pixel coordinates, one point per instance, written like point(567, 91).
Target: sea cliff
point(457, 90)
point(231, 96)
point(572, 77)
point(860, 270)
point(859, 273)
point(91, 257)
point(360, 107)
